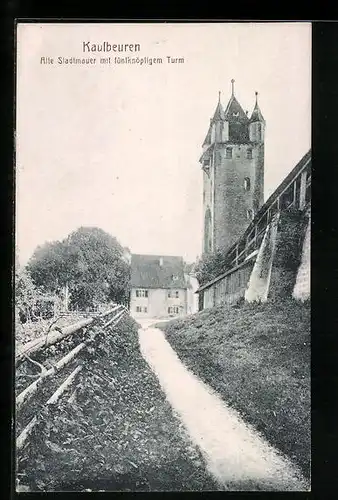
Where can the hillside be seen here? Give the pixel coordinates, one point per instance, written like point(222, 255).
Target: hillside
point(117, 432)
point(257, 358)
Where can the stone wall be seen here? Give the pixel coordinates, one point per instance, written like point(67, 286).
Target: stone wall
point(287, 256)
point(231, 200)
point(302, 289)
point(287, 272)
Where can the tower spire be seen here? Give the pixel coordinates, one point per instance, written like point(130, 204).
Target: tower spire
point(219, 97)
point(232, 87)
point(256, 114)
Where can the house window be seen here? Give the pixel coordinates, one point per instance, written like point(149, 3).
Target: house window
point(249, 154)
point(169, 294)
point(228, 153)
point(140, 309)
point(173, 310)
point(249, 214)
point(177, 294)
point(141, 293)
point(247, 184)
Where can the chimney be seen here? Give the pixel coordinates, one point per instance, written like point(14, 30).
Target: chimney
point(161, 261)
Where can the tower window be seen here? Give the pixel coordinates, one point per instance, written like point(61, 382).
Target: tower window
point(249, 154)
point(247, 184)
point(259, 132)
point(228, 153)
point(249, 214)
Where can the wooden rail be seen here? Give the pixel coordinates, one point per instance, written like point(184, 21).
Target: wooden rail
point(56, 335)
point(29, 391)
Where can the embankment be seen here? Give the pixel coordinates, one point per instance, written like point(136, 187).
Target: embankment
point(257, 358)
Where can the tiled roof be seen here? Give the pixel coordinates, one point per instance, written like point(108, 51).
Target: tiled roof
point(257, 115)
point(234, 112)
point(157, 271)
point(207, 139)
point(219, 113)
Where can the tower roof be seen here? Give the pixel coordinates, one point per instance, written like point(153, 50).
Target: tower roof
point(234, 112)
point(219, 112)
point(256, 115)
point(207, 139)
point(218, 115)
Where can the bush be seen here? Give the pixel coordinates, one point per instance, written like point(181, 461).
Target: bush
point(210, 266)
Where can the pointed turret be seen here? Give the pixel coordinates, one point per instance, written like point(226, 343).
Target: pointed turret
point(216, 119)
point(256, 115)
point(257, 124)
point(219, 112)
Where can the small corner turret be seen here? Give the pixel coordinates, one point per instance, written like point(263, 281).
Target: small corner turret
point(257, 124)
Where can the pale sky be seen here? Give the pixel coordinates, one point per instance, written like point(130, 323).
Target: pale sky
point(117, 146)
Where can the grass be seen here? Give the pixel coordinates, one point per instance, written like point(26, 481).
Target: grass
point(257, 357)
point(120, 434)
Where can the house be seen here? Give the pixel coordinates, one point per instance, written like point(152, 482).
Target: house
point(158, 286)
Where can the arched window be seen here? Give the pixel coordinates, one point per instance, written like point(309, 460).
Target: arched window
point(259, 131)
point(247, 184)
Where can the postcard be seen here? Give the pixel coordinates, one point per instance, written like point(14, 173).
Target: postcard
point(162, 274)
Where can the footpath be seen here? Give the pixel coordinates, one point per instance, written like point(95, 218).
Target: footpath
point(237, 457)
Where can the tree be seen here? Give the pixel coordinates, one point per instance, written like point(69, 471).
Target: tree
point(26, 294)
point(210, 266)
point(90, 261)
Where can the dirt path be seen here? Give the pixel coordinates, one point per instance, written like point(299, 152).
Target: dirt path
point(237, 456)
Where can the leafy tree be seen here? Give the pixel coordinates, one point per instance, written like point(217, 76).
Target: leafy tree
point(210, 266)
point(26, 294)
point(90, 261)
point(48, 267)
point(189, 267)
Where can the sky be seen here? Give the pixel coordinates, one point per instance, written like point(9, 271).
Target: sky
point(117, 146)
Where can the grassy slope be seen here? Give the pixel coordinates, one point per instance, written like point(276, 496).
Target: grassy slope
point(258, 359)
point(120, 434)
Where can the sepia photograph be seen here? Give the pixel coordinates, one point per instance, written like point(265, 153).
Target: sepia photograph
point(162, 256)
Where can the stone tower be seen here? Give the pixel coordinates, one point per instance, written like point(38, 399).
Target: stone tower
point(233, 173)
